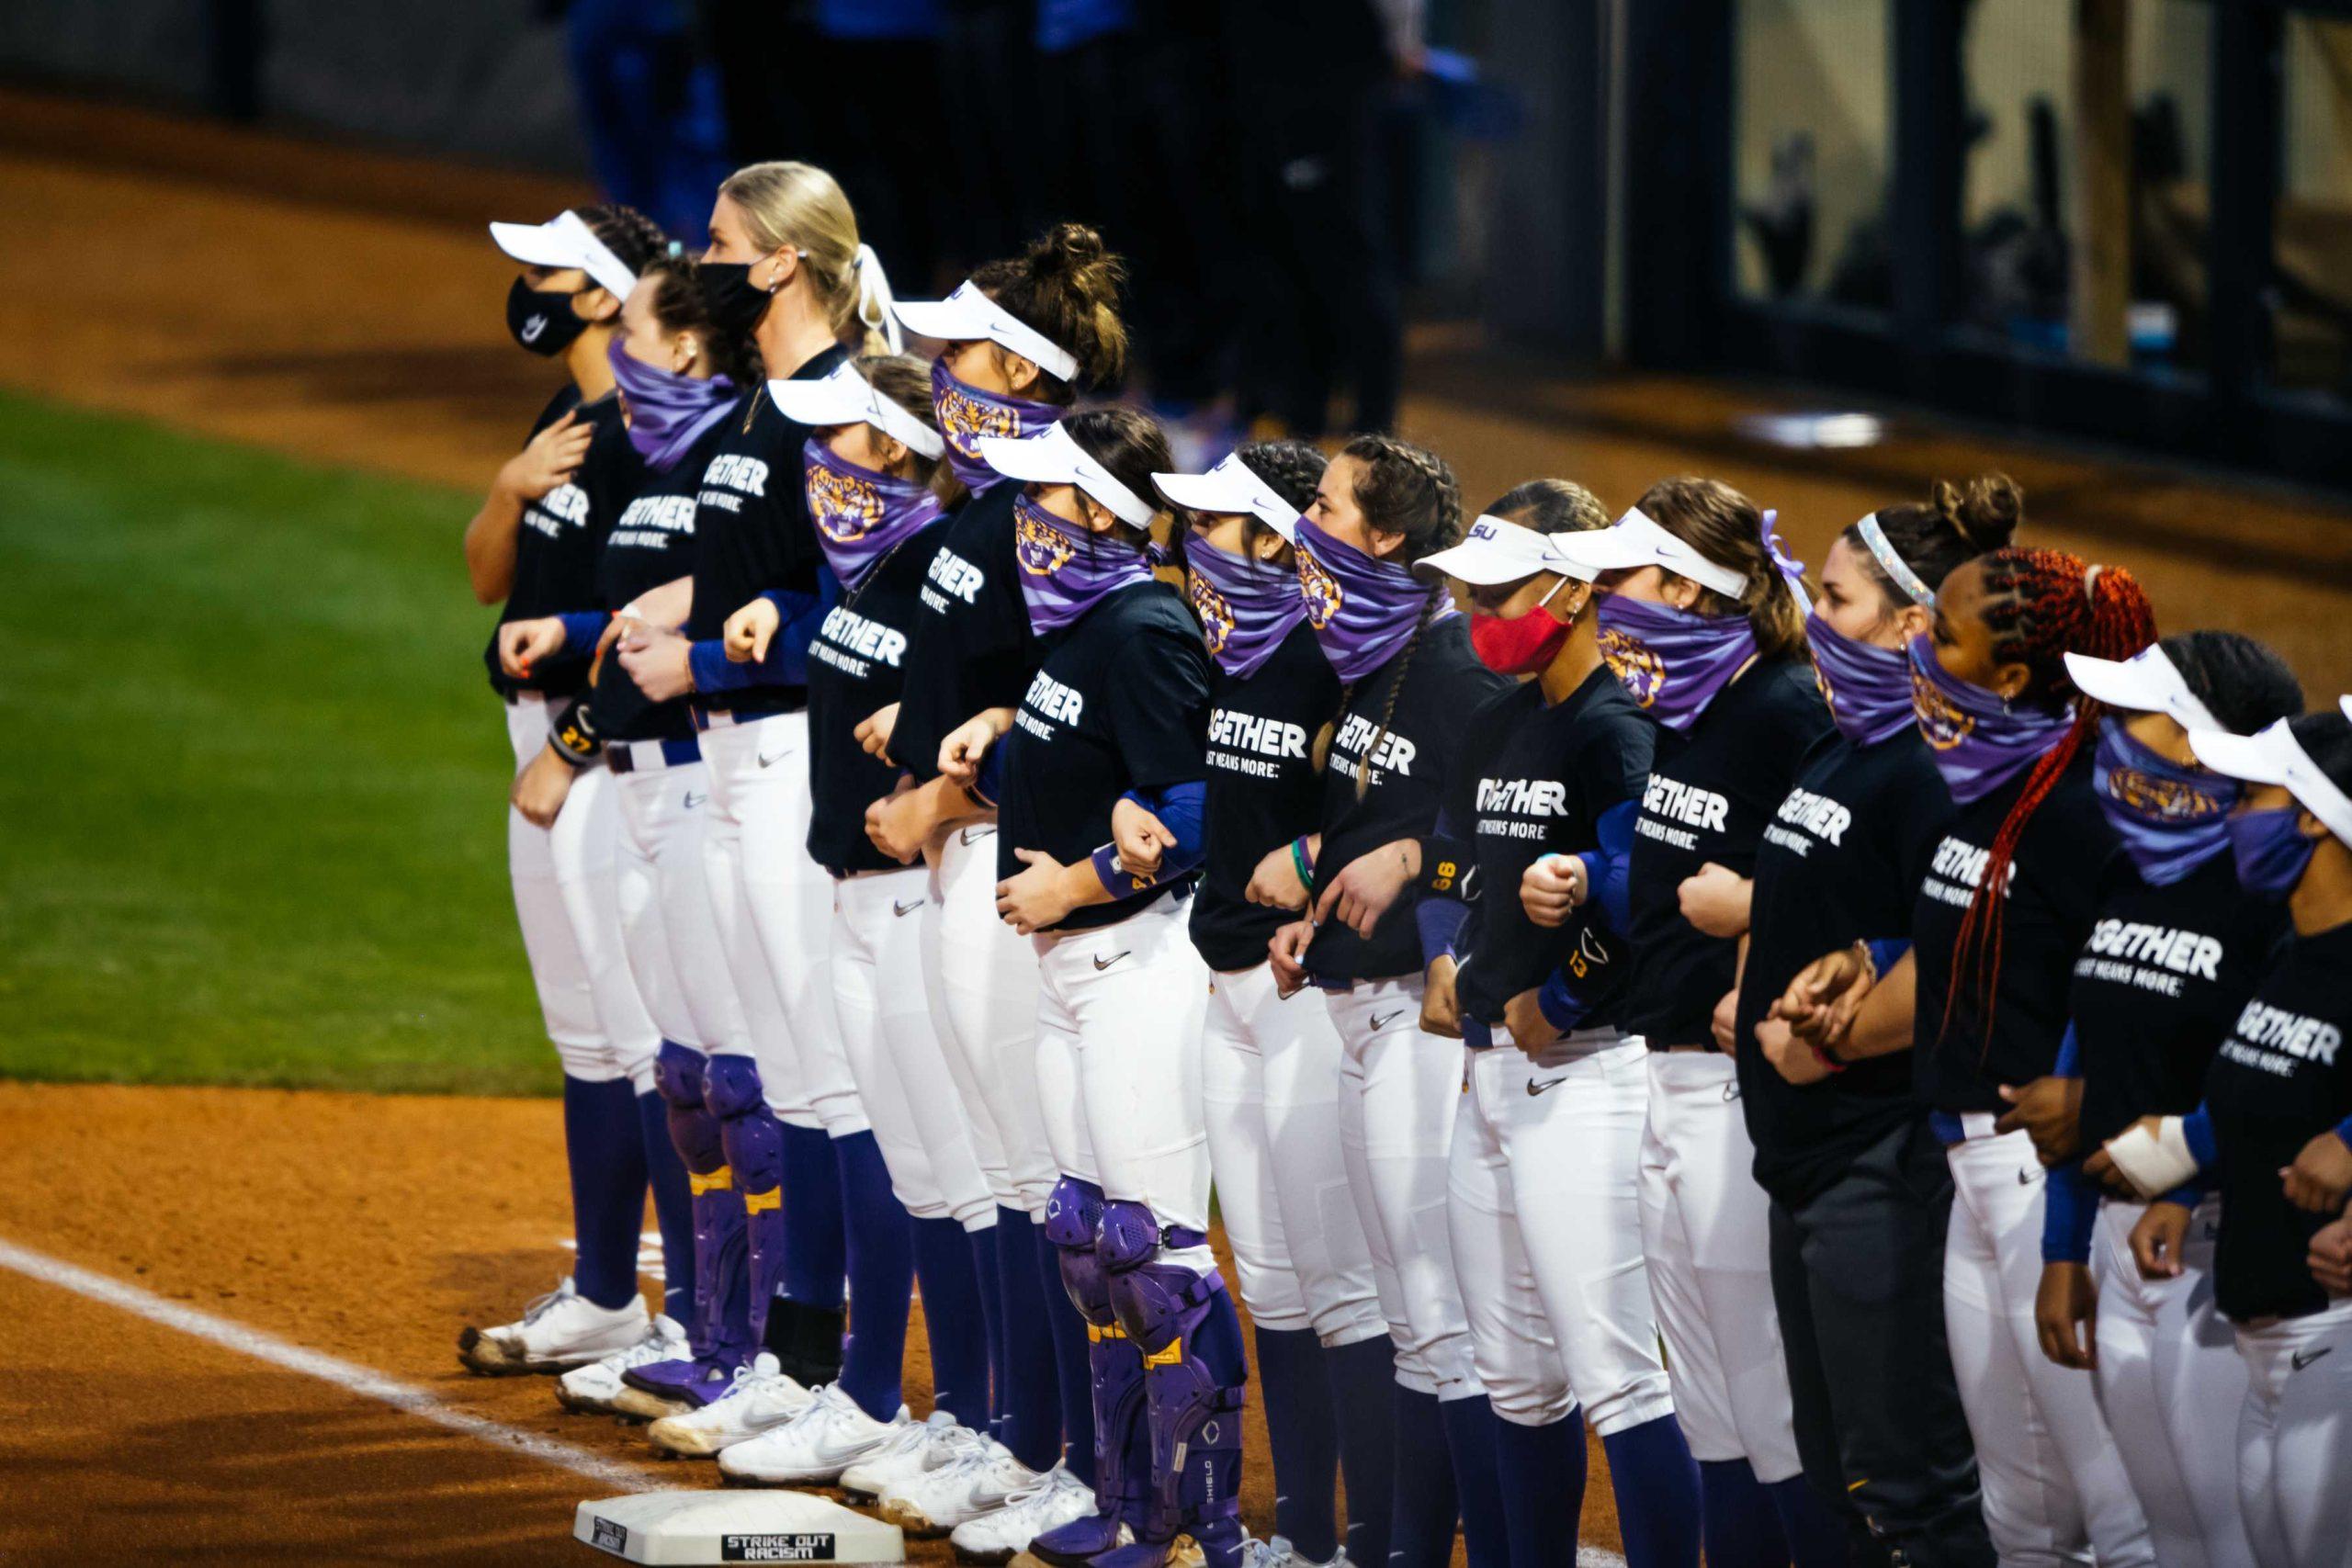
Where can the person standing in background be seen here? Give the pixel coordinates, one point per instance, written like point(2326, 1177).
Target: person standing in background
point(648, 108)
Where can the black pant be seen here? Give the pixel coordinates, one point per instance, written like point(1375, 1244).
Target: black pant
point(1858, 1274)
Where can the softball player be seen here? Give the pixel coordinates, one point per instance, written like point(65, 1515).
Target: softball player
point(1019, 338)
point(2275, 1136)
point(1270, 1066)
point(1990, 974)
point(785, 265)
point(534, 543)
point(1701, 620)
point(1542, 1205)
point(1861, 1191)
point(2171, 959)
point(678, 379)
point(1409, 684)
point(1117, 710)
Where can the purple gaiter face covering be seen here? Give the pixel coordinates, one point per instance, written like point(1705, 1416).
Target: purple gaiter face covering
point(1868, 687)
point(1247, 607)
point(1670, 662)
point(1363, 608)
point(861, 515)
point(966, 414)
point(1065, 569)
point(1979, 744)
point(667, 412)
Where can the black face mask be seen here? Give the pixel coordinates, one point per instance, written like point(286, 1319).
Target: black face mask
point(542, 319)
point(735, 303)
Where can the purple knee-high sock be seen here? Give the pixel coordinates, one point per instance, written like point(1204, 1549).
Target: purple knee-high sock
point(1743, 1529)
point(987, 1274)
point(1542, 1470)
point(1426, 1507)
point(881, 1260)
point(674, 1206)
point(604, 1146)
point(951, 1322)
point(1470, 1443)
point(1656, 1486)
point(1364, 1381)
point(1816, 1535)
point(720, 1327)
point(816, 1258)
point(1074, 1374)
point(1304, 1437)
point(1032, 1284)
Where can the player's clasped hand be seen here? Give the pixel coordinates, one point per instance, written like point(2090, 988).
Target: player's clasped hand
point(2329, 1259)
point(896, 823)
point(656, 661)
point(1551, 888)
point(1715, 900)
point(1441, 1005)
point(2321, 1174)
point(1287, 956)
point(875, 729)
point(2065, 1316)
point(1139, 838)
point(2157, 1238)
point(541, 788)
point(548, 459)
point(1033, 897)
point(1820, 1003)
point(1791, 1056)
point(522, 644)
point(967, 746)
point(1277, 882)
point(2049, 1111)
point(749, 630)
point(1368, 886)
point(1530, 1030)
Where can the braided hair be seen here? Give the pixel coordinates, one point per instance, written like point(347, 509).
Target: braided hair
point(2241, 682)
point(2039, 605)
point(1409, 490)
point(635, 239)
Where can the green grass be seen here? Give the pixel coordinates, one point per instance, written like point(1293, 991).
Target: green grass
point(252, 791)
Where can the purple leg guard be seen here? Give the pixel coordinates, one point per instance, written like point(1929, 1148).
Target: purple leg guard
point(755, 1154)
point(720, 1332)
point(1121, 1482)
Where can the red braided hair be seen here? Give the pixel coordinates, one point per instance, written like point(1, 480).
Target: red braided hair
point(2041, 605)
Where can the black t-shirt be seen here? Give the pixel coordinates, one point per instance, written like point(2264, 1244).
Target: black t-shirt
point(2156, 986)
point(2067, 864)
point(751, 527)
point(1534, 779)
point(972, 648)
point(1709, 799)
point(2282, 1076)
point(1120, 704)
point(650, 542)
point(855, 665)
point(1840, 863)
point(557, 543)
point(1263, 790)
point(1443, 686)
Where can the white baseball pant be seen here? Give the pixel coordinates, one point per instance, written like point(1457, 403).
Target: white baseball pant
point(666, 924)
point(2053, 1483)
point(1706, 1234)
point(1119, 1062)
point(895, 1054)
point(773, 907)
point(2167, 1365)
point(1546, 1221)
point(570, 911)
point(1397, 1089)
point(982, 977)
point(1270, 1087)
point(2295, 1439)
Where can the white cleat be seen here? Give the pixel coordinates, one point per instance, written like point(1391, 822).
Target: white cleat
point(763, 1398)
point(1051, 1501)
point(591, 1389)
point(814, 1447)
point(1276, 1552)
point(931, 1444)
point(561, 1330)
point(937, 1501)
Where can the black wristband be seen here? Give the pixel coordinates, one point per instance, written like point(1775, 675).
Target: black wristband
point(572, 733)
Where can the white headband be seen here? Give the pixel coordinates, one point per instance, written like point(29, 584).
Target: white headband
point(1898, 569)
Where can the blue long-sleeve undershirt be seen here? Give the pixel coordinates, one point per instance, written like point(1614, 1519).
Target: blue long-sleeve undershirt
point(787, 661)
point(1606, 868)
point(2070, 1210)
point(582, 629)
point(1438, 918)
point(1182, 809)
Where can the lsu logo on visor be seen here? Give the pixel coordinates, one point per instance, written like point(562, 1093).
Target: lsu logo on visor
point(2164, 799)
point(964, 420)
point(1942, 721)
point(1639, 669)
point(1042, 549)
point(1320, 588)
point(843, 506)
point(1216, 616)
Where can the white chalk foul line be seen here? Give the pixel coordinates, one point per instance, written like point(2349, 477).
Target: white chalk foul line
point(346, 1375)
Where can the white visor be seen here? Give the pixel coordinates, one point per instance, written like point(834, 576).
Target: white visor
point(1054, 458)
point(1635, 541)
point(1233, 489)
point(2275, 757)
point(564, 242)
point(1494, 552)
point(2148, 681)
point(969, 314)
point(847, 398)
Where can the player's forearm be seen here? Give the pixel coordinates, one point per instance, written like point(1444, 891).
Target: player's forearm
point(668, 605)
point(491, 544)
point(1883, 1023)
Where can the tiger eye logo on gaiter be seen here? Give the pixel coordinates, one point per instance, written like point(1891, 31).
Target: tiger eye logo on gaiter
point(1042, 549)
point(2167, 800)
point(1639, 669)
point(1216, 616)
point(1320, 588)
point(843, 506)
point(964, 420)
point(1940, 720)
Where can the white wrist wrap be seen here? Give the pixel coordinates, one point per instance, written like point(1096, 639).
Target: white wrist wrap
point(2157, 1163)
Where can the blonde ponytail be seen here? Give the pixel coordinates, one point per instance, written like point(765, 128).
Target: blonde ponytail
point(874, 302)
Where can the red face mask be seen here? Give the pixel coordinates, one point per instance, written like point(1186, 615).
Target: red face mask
point(1521, 644)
